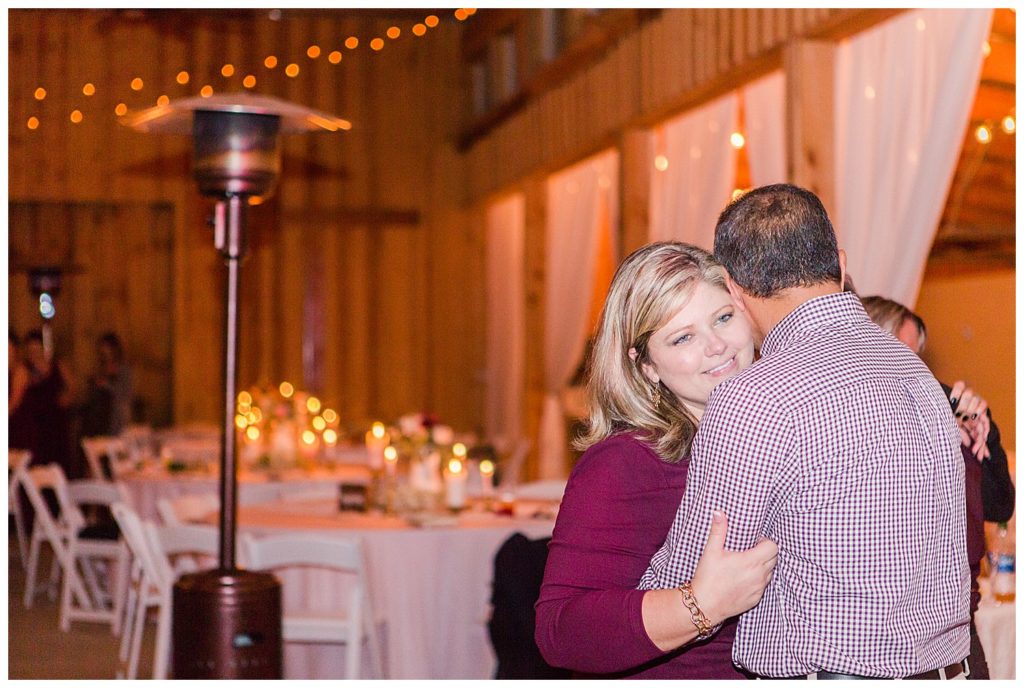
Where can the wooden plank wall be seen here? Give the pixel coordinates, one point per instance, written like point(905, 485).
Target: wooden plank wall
point(366, 271)
point(349, 254)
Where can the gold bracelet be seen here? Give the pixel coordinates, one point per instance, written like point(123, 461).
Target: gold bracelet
point(699, 618)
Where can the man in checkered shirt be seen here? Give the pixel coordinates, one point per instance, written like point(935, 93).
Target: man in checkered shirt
point(840, 446)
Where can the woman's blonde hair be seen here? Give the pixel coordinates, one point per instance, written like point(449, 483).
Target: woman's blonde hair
point(890, 316)
point(649, 288)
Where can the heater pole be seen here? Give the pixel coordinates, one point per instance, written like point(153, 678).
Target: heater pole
point(229, 228)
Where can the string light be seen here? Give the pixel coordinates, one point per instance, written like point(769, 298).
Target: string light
point(986, 48)
point(983, 134)
point(661, 163)
point(1009, 124)
point(270, 62)
point(737, 140)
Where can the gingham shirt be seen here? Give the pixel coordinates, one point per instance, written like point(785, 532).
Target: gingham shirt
point(840, 446)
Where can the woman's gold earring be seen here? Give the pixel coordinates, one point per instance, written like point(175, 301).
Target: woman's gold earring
point(656, 395)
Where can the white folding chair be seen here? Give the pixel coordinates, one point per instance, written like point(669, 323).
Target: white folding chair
point(111, 448)
point(145, 590)
point(78, 548)
point(351, 626)
point(17, 463)
point(166, 544)
point(258, 493)
point(187, 508)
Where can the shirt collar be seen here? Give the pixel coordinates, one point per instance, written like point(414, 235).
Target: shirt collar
point(811, 315)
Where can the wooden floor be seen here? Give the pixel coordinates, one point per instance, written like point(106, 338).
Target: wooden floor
point(38, 649)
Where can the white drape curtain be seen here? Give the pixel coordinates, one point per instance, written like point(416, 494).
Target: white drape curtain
point(764, 114)
point(582, 202)
point(903, 97)
point(695, 169)
point(506, 320)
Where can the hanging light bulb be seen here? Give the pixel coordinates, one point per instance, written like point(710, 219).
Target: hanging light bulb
point(983, 134)
point(1009, 124)
point(737, 140)
point(661, 163)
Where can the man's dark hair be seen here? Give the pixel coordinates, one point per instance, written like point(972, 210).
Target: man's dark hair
point(35, 335)
point(777, 237)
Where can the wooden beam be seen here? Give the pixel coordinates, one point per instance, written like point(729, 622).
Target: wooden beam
point(810, 114)
point(635, 183)
point(352, 216)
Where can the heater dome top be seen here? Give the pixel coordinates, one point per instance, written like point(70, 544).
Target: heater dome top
point(176, 116)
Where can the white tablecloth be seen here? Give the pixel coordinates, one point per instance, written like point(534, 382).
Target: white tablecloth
point(996, 624)
point(431, 587)
point(147, 486)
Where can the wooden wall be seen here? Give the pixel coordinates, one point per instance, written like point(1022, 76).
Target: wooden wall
point(363, 278)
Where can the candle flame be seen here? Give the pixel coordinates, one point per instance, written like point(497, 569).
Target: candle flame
point(377, 429)
point(390, 454)
point(459, 449)
point(487, 467)
point(454, 466)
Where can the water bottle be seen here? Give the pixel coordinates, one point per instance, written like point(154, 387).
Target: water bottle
point(1003, 566)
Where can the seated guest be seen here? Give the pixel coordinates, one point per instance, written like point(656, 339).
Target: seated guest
point(989, 488)
point(668, 334)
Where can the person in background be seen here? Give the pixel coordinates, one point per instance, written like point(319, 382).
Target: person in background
point(989, 489)
point(20, 428)
point(837, 444)
point(108, 406)
point(668, 333)
point(46, 407)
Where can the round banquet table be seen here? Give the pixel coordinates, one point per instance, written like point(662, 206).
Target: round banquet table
point(145, 487)
point(430, 585)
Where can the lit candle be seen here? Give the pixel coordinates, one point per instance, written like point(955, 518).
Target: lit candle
point(310, 444)
point(376, 441)
point(487, 478)
point(390, 461)
point(455, 484)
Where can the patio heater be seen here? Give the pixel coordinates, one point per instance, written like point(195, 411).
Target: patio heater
point(227, 621)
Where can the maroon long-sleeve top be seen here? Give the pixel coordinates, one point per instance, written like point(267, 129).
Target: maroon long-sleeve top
point(618, 506)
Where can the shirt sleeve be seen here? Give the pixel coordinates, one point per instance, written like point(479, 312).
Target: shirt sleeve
point(738, 466)
point(997, 491)
point(589, 616)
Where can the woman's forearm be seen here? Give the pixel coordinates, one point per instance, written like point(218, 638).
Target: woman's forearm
point(666, 619)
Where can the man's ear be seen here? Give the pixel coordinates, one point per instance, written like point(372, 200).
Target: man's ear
point(842, 267)
point(736, 292)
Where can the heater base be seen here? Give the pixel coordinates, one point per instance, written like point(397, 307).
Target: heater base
point(227, 625)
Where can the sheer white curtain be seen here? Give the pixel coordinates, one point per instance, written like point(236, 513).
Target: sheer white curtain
point(506, 328)
point(764, 110)
point(582, 202)
point(903, 97)
point(695, 169)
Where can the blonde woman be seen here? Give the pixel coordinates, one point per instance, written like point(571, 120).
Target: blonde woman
point(668, 334)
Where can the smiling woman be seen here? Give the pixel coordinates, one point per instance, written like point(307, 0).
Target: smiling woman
point(668, 334)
